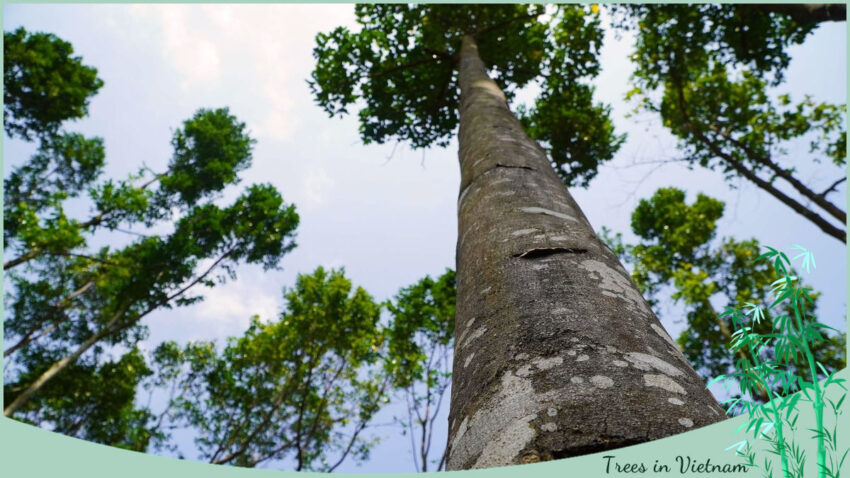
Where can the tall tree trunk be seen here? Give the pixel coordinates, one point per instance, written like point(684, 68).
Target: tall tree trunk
point(557, 353)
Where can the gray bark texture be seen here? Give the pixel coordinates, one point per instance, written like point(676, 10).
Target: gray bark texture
point(557, 353)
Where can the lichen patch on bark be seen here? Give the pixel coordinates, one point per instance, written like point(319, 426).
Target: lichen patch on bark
point(664, 382)
point(663, 333)
point(547, 363)
point(496, 182)
point(523, 232)
point(502, 425)
point(601, 381)
point(674, 347)
point(461, 431)
point(478, 333)
point(646, 362)
point(548, 212)
point(614, 284)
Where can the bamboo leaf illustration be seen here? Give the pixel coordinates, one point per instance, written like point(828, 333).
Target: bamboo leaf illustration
point(738, 446)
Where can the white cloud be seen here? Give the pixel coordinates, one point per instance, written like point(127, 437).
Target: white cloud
point(227, 310)
point(318, 187)
point(194, 52)
point(253, 56)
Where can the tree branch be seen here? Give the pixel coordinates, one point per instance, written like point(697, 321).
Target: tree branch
point(31, 254)
point(64, 303)
point(104, 332)
point(60, 365)
point(808, 13)
point(783, 173)
point(833, 186)
point(502, 24)
point(360, 427)
point(322, 403)
point(822, 223)
point(412, 64)
point(93, 221)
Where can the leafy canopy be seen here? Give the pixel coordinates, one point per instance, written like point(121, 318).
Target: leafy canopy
point(43, 85)
point(714, 64)
point(75, 306)
point(400, 71)
point(301, 388)
point(709, 71)
point(421, 340)
point(677, 254)
point(423, 317)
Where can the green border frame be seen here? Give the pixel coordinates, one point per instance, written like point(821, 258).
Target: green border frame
point(29, 451)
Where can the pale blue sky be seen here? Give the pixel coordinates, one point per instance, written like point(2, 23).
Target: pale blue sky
point(388, 218)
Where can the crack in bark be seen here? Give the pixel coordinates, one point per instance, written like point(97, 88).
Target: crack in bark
point(608, 443)
point(499, 165)
point(539, 252)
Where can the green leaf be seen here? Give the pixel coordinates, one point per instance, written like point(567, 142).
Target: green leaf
point(808, 257)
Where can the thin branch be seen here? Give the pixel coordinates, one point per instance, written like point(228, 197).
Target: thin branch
point(783, 173)
point(60, 365)
point(125, 231)
point(322, 403)
point(272, 453)
point(833, 187)
point(392, 153)
point(93, 221)
point(225, 444)
point(443, 458)
point(31, 254)
point(637, 164)
point(410, 406)
point(104, 332)
point(658, 165)
point(298, 437)
point(63, 304)
point(812, 216)
point(284, 393)
point(361, 426)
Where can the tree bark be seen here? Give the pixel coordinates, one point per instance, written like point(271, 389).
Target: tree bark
point(557, 354)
